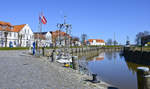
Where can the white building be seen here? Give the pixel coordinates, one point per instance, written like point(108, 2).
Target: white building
point(96, 42)
point(15, 36)
point(45, 38)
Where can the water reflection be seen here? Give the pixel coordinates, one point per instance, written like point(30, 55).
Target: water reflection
point(111, 55)
point(99, 57)
point(113, 68)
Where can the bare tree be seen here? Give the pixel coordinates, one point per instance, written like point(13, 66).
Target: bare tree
point(109, 41)
point(115, 42)
point(127, 41)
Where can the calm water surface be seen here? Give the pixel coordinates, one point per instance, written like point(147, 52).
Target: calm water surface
point(113, 69)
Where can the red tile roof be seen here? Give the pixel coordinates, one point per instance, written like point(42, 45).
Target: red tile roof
point(97, 40)
point(59, 33)
point(5, 23)
point(17, 28)
point(100, 58)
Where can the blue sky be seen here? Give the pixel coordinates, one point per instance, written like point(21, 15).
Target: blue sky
point(96, 18)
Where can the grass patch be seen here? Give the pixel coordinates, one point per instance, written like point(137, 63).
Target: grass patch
point(14, 48)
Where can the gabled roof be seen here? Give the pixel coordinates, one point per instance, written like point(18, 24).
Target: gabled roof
point(97, 40)
point(59, 33)
point(5, 23)
point(17, 28)
point(7, 26)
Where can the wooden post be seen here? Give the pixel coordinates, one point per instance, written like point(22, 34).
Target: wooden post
point(76, 50)
point(141, 71)
point(74, 62)
point(147, 81)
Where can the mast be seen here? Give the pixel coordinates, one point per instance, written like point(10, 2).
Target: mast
point(114, 38)
point(67, 29)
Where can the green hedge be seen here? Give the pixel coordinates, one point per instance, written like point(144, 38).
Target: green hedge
point(14, 48)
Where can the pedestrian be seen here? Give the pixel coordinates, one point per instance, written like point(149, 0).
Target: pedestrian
point(33, 48)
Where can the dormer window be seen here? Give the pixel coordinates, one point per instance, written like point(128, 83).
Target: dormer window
point(11, 27)
point(4, 26)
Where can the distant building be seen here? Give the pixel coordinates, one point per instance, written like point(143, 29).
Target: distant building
point(15, 35)
point(60, 38)
point(96, 42)
point(45, 38)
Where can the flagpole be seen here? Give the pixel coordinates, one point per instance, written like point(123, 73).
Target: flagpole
point(40, 32)
point(39, 28)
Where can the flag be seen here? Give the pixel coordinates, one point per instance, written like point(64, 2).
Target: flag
point(42, 19)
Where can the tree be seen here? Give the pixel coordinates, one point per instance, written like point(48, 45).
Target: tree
point(83, 37)
point(109, 42)
point(115, 42)
point(127, 42)
point(140, 35)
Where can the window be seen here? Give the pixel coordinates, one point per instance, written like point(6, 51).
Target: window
point(14, 34)
point(10, 34)
point(11, 27)
point(25, 31)
point(14, 42)
point(4, 27)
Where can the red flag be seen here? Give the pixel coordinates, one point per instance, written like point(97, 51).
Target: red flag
point(43, 19)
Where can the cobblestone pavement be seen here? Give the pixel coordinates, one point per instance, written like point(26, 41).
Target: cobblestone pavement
point(19, 70)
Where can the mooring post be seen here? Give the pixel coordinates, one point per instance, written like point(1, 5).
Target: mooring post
point(74, 62)
point(95, 80)
point(142, 78)
point(43, 53)
point(53, 56)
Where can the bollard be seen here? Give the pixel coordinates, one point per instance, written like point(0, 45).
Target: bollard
point(43, 53)
point(79, 50)
point(74, 62)
point(53, 56)
point(95, 79)
point(141, 71)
